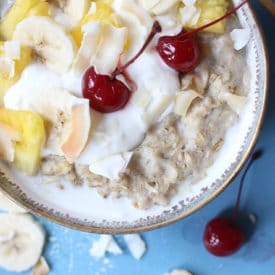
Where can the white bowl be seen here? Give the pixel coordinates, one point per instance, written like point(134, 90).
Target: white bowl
point(83, 209)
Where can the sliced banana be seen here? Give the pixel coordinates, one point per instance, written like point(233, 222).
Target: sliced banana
point(50, 42)
point(22, 250)
point(8, 136)
point(8, 206)
point(67, 118)
point(74, 9)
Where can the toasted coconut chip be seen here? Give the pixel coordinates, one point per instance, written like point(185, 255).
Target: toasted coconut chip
point(80, 127)
point(41, 267)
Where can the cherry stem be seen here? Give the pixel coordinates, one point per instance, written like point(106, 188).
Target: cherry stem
point(254, 157)
point(215, 21)
point(155, 29)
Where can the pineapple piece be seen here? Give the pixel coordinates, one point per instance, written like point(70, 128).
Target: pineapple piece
point(32, 132)
point(210, 10)
point(103, 14)
point(19, 65)
point(19, 11)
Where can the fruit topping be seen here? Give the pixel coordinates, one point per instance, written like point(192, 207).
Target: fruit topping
point(99, 12)
point(32, 135)
point(13, 60)
point(8, 136)
point(107, 93)
point(49, 41)
point(67, 118)
point(204, 12)
point(223, 236)
point(181, 52)
point(74, 9)
point(19, 11)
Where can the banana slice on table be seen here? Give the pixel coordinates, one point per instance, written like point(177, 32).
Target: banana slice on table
point(21, 242)
point(9, 206)
point(49, 40)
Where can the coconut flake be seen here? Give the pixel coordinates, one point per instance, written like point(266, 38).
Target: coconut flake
point(136, 245)
point(179, 272)
point(12, 50)
point(240, 38)
point(106, 243)
point(111, 166)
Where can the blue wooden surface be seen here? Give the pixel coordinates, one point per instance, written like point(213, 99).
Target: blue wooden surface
point(180, 245)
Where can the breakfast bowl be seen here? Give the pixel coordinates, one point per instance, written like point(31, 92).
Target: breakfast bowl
point(227, 132)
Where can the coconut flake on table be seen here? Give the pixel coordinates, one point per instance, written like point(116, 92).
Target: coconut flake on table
point(106, 243)
point(136, 245)
point(179, 272)
point(240, 38)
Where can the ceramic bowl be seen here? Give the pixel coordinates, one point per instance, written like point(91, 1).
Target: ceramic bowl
point(83, 209)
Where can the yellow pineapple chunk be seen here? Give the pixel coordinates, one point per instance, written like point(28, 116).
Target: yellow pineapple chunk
point(7, 81)
point(19, 11)
point(103, 14)
point(210, 10)
point(32, 132)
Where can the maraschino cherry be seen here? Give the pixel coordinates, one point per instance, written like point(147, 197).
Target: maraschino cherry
point(107, 93)
point(181, 52)
point(223, 236)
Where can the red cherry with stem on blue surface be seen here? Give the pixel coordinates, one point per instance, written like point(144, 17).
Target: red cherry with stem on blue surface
point(106, 93)
point(181, 52)
point(223, 236)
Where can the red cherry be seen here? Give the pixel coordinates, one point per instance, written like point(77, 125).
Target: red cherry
point(179, 52)
point(106, 94)
point(222, 237)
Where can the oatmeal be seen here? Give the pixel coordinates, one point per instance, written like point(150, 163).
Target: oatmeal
point(170, 122)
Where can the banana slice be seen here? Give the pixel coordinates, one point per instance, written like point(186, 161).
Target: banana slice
point(50, 42)
point(9, 206)
point(8, 136)
point(21, 242)
point(74, 9)
point(67, 118)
